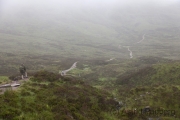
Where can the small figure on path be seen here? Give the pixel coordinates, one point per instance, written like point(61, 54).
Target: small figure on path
point(23, 72)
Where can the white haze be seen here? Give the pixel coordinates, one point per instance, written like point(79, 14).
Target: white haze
point(105, 12)
point(60, 5)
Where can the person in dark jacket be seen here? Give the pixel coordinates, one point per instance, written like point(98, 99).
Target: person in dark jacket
point(23, 72)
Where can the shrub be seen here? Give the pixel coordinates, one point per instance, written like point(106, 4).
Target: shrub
point(45, 76)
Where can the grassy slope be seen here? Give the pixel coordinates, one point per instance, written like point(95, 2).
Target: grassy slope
point(53, 44)
point(43, 42)
point(148, 81)
point(46, 96)
point(157, 74)
point(127, 80)
point(90, 35)
point(156, 86)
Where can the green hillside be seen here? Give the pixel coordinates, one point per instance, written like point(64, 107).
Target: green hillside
point(157, 74)
point(48, 96)
point(45, 39)
point(87, 33)
point(148, 81)
point(126, 55)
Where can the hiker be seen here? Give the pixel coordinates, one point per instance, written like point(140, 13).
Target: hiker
point(23, 72)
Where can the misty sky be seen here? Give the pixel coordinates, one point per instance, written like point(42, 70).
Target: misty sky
point(82, 9)
point(7, 5)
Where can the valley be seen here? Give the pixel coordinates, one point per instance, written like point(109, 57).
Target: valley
point(90, 61)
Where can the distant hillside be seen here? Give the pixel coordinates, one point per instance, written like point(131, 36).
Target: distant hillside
point(92, 32)
point(158, 74)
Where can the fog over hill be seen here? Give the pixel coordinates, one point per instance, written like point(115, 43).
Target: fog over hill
point(97, 59)
point(92, 26)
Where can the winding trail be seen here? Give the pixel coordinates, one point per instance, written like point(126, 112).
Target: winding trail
point(128, 47)
point(130, 52)
point(142, 38)
point(63, 73)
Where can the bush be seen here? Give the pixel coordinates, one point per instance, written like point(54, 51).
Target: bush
point(45, 76)
point(9, 107)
